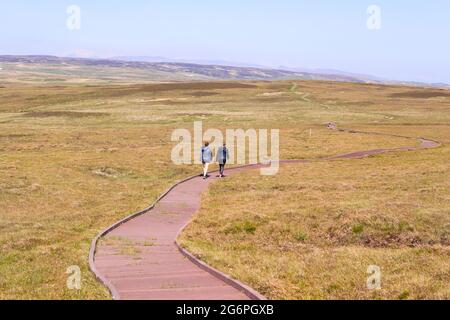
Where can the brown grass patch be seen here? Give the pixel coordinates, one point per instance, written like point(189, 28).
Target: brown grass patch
point(195, 86)
point(67, 114)
point(421, 94)
point(202, 93)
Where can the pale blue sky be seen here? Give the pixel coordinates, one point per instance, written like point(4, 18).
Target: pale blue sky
point(413, 43)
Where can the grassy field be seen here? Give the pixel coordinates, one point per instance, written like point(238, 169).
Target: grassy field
point(312, 231)
point(74, 159)
point(82, 74)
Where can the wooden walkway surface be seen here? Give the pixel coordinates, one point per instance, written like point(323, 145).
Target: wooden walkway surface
point(139, 259)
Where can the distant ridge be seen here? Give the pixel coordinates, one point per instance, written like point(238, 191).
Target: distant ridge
point(194, 61)
point(327, 73)
point(113, 70)
point(200, 71)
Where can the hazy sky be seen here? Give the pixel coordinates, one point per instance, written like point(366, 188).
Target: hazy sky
point(412, 44)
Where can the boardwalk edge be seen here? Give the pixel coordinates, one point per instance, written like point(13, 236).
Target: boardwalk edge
point(114, 293)
point(248, 291)
point(251, 293)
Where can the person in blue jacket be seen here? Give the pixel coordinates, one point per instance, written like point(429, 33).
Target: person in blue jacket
point(222, 156)
point(206, 159)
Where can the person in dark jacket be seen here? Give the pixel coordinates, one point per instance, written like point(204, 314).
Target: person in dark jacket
point(222, 156)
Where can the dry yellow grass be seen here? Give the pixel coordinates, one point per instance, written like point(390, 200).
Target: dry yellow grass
point(312, 231)
point(75, 159)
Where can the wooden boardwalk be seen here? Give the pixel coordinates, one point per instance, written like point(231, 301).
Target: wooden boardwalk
point(142, 261)
point(139, 259)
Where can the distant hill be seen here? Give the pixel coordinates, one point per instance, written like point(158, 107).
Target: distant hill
point(52, 69)
point(194, 61)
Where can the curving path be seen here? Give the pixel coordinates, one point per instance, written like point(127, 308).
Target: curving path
point(139, 258)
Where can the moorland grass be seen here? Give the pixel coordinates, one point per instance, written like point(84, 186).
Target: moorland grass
point(74, 159)
point(312, 231)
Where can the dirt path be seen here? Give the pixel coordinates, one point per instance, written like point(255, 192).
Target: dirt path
point(139, 258)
